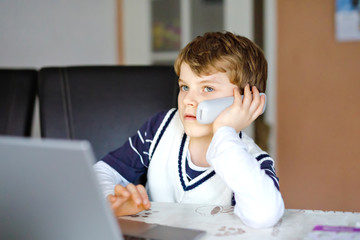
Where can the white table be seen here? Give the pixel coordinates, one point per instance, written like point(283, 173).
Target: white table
point(220, 222)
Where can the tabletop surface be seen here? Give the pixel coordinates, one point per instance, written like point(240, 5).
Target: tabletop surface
point(220, 222)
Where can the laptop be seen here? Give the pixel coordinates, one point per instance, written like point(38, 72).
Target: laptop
point(48, 190)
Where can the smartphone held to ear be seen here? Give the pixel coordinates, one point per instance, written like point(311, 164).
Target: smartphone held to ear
point(208, 110)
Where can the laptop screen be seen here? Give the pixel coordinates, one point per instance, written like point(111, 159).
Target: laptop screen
point(49, 191)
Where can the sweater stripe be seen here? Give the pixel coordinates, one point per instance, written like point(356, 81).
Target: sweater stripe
point(162, 131)
point(181, 176)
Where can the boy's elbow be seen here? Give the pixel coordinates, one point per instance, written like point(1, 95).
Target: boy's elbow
point(263, 218)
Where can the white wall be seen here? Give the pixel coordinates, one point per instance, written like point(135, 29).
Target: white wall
point(137, 32)
point(239, 17)
point(270, 49)
point(40, 33)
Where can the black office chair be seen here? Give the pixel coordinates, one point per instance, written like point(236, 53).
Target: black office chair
point(102, 104)
point(17, 99)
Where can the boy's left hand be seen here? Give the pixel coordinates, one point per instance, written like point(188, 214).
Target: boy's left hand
point(243, 111)
point(128, 200)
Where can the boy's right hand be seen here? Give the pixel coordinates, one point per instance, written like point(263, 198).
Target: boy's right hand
point(243, 111)
point(128, 200)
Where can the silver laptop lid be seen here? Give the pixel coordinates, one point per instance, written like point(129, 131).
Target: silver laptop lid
point(48, 190)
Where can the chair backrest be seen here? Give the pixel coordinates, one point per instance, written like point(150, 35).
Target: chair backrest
point(17, 99)
point(102, 104)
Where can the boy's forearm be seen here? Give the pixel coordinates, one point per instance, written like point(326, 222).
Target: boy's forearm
point(260, 214)
point(258, 201)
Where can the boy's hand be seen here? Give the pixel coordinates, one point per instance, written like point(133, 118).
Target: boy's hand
point(243, 111)
point(129, 200)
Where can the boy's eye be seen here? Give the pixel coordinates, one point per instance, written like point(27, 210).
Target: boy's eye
point(208, 89)
point(184, 88)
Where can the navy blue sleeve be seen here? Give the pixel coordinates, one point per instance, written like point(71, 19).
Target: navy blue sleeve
point(131, 160)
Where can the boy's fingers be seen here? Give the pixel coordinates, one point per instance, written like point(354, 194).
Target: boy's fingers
point(116, 201)
point(247, 96)
point(144, 196)
point(255, 100)
point(111, 198)
point(260, 108)
point(121, 191)
point(237, 97)
point(135, 195)
point(255, 91)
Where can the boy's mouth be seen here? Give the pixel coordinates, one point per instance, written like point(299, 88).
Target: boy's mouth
point(188, 116)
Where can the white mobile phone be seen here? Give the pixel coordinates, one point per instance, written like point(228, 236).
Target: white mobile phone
point(208, 110)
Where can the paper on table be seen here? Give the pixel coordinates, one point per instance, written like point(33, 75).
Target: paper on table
point(220, 221)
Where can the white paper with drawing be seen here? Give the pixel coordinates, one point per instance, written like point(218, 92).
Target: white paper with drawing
point(220, 221)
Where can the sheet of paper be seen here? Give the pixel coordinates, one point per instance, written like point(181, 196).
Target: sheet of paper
point(220, 221)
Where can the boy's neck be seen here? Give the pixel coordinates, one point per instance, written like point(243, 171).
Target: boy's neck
point(198, 148)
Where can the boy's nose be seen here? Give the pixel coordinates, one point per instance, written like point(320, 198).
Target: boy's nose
point(191, 99)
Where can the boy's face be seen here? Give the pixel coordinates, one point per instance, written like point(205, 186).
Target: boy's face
point(193, 90)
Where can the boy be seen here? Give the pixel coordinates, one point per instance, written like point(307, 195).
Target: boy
point(181, 160)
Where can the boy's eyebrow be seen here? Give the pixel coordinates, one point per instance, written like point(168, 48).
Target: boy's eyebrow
point(214, 80)
point(205, 81)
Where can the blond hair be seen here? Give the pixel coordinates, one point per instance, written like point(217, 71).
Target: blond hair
point(240, 58)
